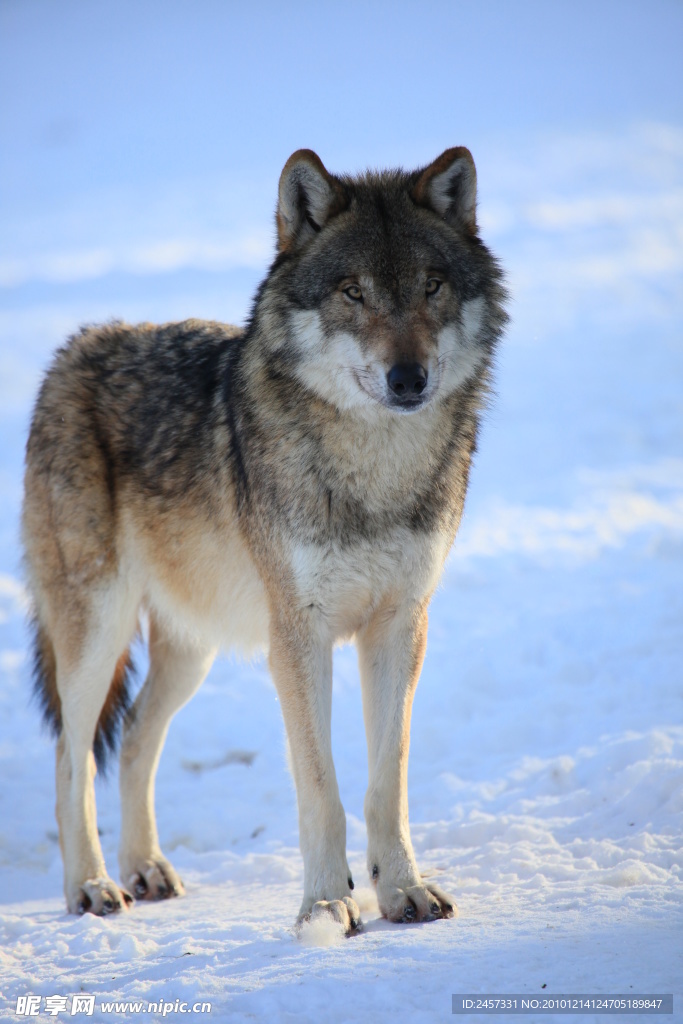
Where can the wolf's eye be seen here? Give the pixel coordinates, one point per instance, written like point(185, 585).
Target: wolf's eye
point(354, 292)
point(432, 286)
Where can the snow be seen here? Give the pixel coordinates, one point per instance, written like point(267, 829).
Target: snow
point(547, 741)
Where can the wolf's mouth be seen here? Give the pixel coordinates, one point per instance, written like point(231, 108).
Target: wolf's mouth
point(402, 405)
point(405, 405)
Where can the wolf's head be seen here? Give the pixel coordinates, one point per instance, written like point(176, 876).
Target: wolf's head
point(383, 294)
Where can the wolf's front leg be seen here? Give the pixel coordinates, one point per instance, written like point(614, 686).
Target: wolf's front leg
point(301, 666)
point(391, 651)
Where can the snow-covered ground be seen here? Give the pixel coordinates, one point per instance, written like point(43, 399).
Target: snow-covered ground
point(547, 744)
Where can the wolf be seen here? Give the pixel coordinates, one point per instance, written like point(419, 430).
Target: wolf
point(282, 487)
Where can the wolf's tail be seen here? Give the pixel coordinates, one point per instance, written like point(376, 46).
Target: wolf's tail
point(115, 708)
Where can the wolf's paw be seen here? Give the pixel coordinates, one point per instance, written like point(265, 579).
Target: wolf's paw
point(98, 896)
point(415, 903)
point(154, 879)
point(344, 912)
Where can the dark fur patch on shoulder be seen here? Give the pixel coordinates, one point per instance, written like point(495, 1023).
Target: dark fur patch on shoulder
point(231, 388)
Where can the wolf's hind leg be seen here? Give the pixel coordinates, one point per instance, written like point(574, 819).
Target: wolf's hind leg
point(177, 669)
point(87, 685)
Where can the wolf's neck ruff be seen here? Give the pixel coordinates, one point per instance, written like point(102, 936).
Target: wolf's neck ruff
point(355, 473)
point(282, 487)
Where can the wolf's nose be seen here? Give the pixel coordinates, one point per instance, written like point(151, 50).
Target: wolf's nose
point(407, 380)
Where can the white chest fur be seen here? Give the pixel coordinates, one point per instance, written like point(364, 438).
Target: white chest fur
point(348, 583)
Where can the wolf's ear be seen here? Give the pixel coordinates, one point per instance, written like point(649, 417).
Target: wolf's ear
point(308, 197)
point(449, 187)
